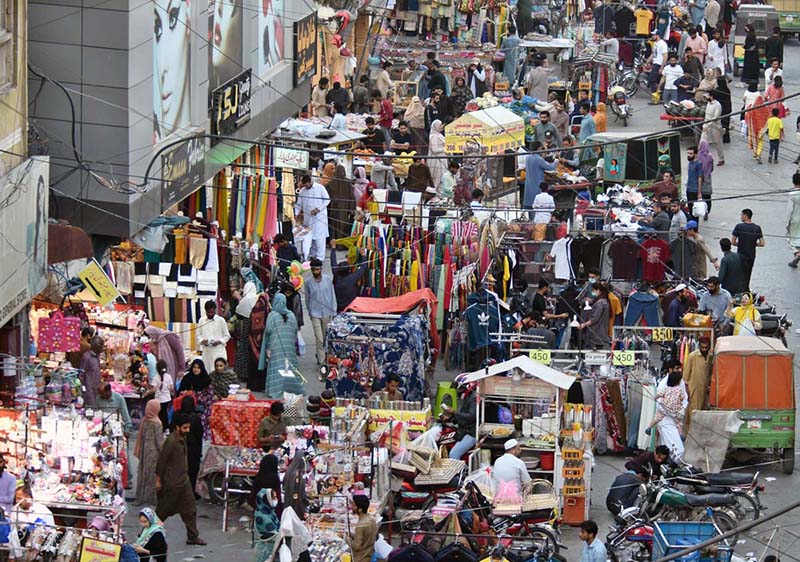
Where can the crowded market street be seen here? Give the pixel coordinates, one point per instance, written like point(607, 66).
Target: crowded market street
point(413, 281)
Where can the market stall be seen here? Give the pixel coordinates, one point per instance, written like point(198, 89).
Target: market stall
point(535, 394)
point(639, 157)
point(497, 129)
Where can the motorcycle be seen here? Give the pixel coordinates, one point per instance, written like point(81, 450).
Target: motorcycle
point(620, 107)
point(745, 487)
point(630, 540)
point(666, 503)
point(634, 77)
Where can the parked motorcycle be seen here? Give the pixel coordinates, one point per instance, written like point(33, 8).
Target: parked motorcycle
point(745, 487)
point(634, 77)
point(630, 540)
point(620, 106)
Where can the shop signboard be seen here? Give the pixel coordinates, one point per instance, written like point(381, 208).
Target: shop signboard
point(23, 235)
point(305, 49)
point(181, 171)
point(94, 550)
point(290, 158)
point(615, 155)
point(230, 104)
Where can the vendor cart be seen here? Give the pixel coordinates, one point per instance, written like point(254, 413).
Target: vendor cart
point(311, 137)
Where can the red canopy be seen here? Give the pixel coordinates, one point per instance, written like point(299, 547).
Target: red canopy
point(399, 305)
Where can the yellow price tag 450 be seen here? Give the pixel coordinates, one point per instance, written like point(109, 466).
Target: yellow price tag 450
point(623, 358)
point(662, 334)
point(540, 355)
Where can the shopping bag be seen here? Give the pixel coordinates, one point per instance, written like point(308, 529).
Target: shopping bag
point(301, 345)
point(176, 403)
point(59, 333)
point(699, 209)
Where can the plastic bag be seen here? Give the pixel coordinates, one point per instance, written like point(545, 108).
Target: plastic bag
point(482, 478)
point(428, 439)
point(301, 345)
point(699, 208)
point(382, 548)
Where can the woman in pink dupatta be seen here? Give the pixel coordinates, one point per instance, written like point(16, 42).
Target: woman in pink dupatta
point(168, 346)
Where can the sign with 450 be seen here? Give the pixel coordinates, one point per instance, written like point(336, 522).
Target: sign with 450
point(230, 104)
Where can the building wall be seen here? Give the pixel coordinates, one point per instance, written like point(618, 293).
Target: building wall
point(14, 102)
point(104, 50)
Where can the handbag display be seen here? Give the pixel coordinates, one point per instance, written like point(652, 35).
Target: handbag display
point(59, 333)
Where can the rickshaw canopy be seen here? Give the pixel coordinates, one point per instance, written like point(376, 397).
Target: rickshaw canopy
point(752, 373)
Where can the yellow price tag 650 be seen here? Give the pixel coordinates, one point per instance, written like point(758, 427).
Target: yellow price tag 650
point(623, 358)
point(540, 355)
point(662, 334)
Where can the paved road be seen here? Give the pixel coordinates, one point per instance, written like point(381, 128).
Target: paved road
point(740, 183)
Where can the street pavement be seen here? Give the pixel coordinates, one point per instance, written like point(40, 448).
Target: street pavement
point(740, 183)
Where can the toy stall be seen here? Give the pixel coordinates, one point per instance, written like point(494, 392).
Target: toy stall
point(523, 399)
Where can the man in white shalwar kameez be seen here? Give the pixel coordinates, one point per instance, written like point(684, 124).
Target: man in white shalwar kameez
point(212, 335)
point(793, 224)
point(312, 206)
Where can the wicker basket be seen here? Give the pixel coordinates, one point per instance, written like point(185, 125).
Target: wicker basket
point(422, 459)
point(442, 472)
point(535, 502)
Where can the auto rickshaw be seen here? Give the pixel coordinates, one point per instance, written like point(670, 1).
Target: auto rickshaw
point(755, 375)
point(764, 18)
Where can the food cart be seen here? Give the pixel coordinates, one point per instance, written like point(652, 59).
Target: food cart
point(535, 394)
point(755, 375)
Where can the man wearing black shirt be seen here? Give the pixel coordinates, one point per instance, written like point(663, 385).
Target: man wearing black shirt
point(402, 140)
point(446, 109)
point(338, 96)
point(746, 236)
point(773, 47)
point(286, 253)
point(539, 303)
point(649, 462)
point(436, 80)
point(375, 138)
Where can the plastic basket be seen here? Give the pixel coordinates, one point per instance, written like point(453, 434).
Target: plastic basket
point(674, 536)
point(571, 454)
point(573, 471)
point(578, 490)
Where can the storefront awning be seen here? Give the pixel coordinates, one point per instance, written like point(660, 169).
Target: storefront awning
point(66, 242)
point(527, 365)
point(498, 129)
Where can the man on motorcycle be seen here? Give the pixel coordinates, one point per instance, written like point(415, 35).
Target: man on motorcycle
point(465, 418)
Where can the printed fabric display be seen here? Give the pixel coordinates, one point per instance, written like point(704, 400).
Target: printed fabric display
point(59, 333)
point(361, 364)
point(235, 423)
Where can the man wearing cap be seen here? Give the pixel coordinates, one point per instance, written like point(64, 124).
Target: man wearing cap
point(696, 375)
point(658, 60)
point(509, 468)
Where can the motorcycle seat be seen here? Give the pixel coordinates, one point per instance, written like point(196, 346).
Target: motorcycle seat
point(771, 317)
point(729, 479)
point(711, 500)
point(769, 326)
point(535, 516)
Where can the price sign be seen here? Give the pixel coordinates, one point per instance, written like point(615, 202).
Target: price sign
point(595, 358)
point(541, 355)
point(623, 358)
point(662, 334)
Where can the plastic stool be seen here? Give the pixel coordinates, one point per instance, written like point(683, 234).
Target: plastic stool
point(444, 389)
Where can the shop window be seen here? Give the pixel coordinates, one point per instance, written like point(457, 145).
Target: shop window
point(8, 45)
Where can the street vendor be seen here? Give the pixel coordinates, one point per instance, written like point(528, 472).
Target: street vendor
point(390, 392)
point(510, 469)
point(272, 429)
point(362, 541)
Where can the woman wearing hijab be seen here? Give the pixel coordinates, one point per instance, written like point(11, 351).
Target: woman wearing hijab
point(752, 64)
point(670, 413)
point(243, 362)
point(151, 544)
point(437, 164)
point(267, 483)
point(707, 84)
point(415, 117)
point(168, 347)
point(460, 96)
point(198, 381)
point(756, 120)
point(601, 118)
point(194, 439)
point(360, 183)
point(706, 159)
point(776, 92)
point(147, 449)
point(279, 351)
point(723, 95)
point(746, 317)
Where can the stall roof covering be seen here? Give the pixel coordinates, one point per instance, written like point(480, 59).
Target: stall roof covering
point(392, 305)
point(748, 345)
point(492, 117)
point(555, 43)
point(619, 136)
point(306, 131)
point(528, 365)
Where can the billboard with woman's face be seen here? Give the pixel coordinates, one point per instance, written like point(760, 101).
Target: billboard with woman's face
point(224, 41)
point(172, 30)
point(270, 34)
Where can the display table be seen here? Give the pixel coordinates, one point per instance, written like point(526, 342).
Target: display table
point(414, 420)
point(235, 423)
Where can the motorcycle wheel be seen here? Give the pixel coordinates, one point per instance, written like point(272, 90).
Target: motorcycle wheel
point(631, 86)
point(216, 491)
point(725, 522)
point(747, 508)
point(539, 538)
point(624, 121)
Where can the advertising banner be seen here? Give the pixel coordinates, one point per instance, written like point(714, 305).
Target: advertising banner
point(305, 49)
